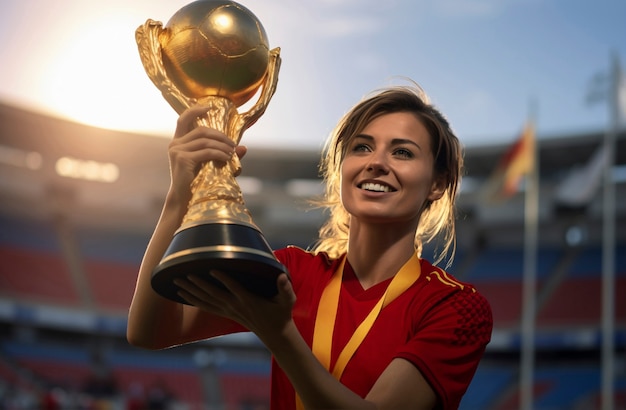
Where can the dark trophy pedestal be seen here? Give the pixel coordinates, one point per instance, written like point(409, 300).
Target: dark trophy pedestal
point(237, 250)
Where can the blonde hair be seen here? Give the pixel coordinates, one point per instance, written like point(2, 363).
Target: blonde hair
point(438, 217)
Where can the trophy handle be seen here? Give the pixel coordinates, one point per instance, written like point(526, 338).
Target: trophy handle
point(147, 38)
point(245, 120)
point(239, 122)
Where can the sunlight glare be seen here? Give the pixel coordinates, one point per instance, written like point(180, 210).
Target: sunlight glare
point(98, 80)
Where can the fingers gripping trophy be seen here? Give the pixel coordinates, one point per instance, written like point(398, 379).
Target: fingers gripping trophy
point(214, 53)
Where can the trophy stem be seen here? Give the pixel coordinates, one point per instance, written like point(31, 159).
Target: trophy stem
point(216, 196)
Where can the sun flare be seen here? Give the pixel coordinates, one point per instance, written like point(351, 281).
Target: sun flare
point(97, 79)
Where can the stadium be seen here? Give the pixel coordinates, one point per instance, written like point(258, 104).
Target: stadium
point(77, 207)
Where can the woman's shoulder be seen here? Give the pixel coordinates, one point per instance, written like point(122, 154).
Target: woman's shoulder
point(300, 262)
point(436, 275)
point(293, 254)
point(440, 281)
point(445, 296)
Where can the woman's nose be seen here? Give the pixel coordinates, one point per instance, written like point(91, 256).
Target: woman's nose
point(378, 162)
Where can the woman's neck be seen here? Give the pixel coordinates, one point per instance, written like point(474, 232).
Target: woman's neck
point(377, 252)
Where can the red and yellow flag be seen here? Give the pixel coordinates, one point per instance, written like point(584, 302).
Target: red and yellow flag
point(516, 162)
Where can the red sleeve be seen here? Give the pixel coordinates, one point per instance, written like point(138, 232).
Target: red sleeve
point(305, 268)
point(450, 341)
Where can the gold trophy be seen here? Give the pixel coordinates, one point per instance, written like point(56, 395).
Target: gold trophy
point(214, 53)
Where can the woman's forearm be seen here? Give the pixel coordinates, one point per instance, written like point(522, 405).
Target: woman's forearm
point(151, 316)
point(317, 388)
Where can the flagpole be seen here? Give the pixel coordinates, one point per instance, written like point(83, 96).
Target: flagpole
point(531, 224)
point(608, 244)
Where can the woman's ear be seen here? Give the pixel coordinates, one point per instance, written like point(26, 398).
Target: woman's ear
point(438, 188)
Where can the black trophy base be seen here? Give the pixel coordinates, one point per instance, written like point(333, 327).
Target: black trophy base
point(240, 251)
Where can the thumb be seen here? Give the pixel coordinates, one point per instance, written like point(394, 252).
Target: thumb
point(285, 289)
point(241, 150)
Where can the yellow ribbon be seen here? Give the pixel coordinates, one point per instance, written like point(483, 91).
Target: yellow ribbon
point(327, 314)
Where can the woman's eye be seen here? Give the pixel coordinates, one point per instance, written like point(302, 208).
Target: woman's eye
point(403, 152)
point(360, 148)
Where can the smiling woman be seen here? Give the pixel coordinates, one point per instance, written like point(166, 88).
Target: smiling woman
point(388, 171)
point(362, 320)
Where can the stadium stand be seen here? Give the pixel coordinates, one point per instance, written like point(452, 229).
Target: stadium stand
point(34, 266)
point(71, 250)
point(111, 263)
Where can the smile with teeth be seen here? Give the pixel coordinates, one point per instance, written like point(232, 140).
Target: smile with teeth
point(370, 186)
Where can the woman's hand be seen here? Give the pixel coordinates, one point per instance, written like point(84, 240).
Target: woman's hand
point(192, 146)
point(267, 318)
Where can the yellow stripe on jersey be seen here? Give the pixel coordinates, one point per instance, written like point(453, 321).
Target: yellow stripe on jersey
point(446, 279)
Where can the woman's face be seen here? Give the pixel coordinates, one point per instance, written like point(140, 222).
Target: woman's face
point(387, 172)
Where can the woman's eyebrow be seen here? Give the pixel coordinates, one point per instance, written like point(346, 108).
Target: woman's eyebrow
point(402, 141)
point(394, 142)
point(364, 137)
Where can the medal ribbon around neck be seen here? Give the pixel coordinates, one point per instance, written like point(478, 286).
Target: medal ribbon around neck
point(327, 314)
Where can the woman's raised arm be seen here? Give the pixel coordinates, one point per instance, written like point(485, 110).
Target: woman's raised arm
point(153, 321)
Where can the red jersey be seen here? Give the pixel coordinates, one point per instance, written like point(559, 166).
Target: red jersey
point(439, 324)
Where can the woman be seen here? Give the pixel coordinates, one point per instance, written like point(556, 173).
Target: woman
point(362, 322)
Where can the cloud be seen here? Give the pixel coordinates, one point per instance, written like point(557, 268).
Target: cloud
point(327, 18)
point(479, 8)
point(347, 26)
point(469, 8)
point(371, 62)
point(479, 100)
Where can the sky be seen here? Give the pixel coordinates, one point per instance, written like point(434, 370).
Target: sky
point(483, 63)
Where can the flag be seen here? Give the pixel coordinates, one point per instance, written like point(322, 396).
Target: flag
point(612, 88)
point(516, 162)
point(580, 185)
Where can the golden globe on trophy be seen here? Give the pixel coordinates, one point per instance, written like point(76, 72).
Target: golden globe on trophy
point(214, 53)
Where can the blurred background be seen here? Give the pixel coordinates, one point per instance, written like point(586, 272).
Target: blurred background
point(83, 174)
